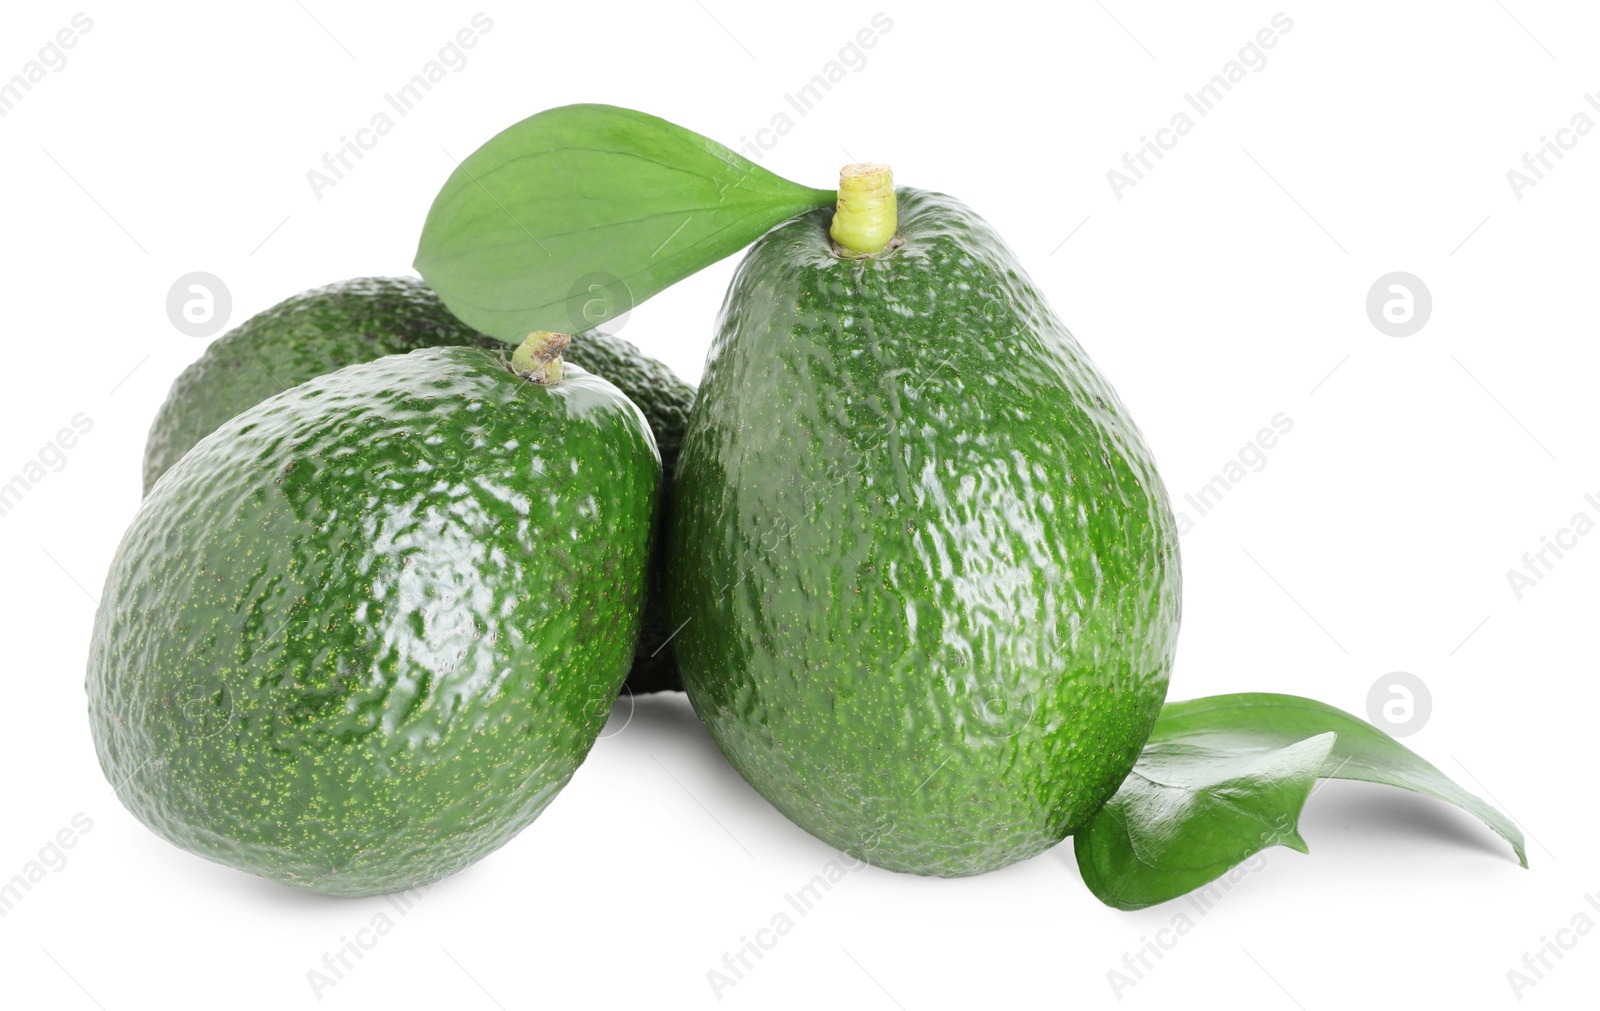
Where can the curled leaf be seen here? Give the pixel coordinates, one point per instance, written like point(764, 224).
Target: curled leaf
point(1224, 777)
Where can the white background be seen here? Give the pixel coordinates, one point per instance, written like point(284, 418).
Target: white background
point(1227, 286)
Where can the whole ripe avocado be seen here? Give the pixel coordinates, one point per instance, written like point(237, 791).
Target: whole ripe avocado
point(325, 329)
point(360, 636)
point(927, 574)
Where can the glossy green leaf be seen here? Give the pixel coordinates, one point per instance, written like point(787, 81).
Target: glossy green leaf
point(1224, 777)
point(575, 215)
point(1363, 752)
point(1187, 813)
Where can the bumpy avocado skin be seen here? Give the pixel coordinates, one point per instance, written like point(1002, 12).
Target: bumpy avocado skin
point(665, 400)
point(314, 333)
point(325, 329)
point(928, 574)
point(363, 633)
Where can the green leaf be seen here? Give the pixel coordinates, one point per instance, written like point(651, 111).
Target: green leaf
point(1363, 752)
point(577, 214)
point(1187, 813)
point(1225, 777)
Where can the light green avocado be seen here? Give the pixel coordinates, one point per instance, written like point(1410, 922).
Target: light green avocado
point(925, 569)
point(360, 635)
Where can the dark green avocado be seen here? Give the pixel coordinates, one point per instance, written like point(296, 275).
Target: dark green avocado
point(665, 400)
point(926, 571)
point(325, 329)
point(311, 334)
point(360, 635)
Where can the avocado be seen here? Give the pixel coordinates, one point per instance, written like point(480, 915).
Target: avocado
point(927, 574)
point(360, 635)
point(311, 334)
point(323, 330)
point(665, 400)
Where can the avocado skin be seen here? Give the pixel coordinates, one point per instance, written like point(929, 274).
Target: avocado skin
point(927, 571)
point(311, 334)
point(324, 329)
point(665, 400)
point(363, 633)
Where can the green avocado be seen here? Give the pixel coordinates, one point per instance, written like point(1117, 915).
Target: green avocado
point(926, 571)
point(325, 329)
point(311, 334)
point(665, 400)
point(360, 635)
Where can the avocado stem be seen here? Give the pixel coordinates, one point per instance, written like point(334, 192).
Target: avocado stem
point(867, 215)
point(538, 358)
